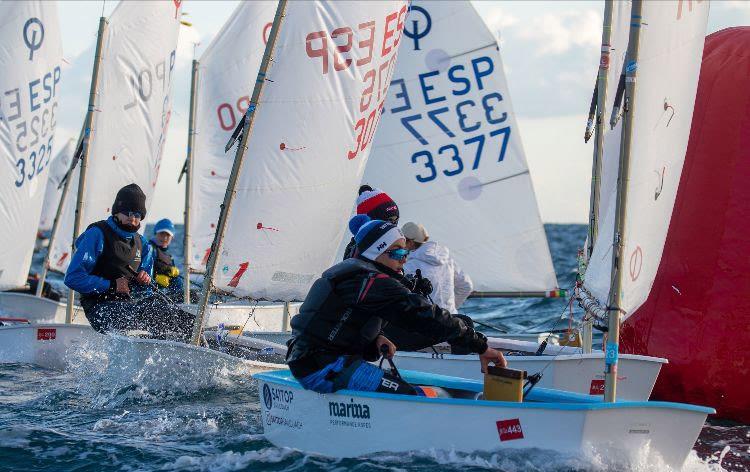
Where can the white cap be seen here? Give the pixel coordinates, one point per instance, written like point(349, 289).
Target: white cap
point(415, 232)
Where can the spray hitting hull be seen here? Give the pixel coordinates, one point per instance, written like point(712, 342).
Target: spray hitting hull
point(122, 361)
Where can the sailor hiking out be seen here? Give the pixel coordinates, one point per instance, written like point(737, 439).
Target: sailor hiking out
point(112, 269)
point(339, 328)
point(166, 273)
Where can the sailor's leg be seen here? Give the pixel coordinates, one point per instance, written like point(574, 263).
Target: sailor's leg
point(352, 373)
point(176, 290)
point(93, 313)
point(161, 318)
point(363, 376)
point(110, 315)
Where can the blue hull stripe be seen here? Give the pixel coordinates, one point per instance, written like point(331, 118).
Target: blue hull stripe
point(539, 398)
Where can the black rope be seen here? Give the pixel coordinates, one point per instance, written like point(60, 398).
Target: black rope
point(394, 370)
point(531, 382)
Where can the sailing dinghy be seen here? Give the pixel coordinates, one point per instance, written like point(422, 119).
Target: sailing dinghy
point(350, 423)
point(125, 129)
point(641, 161)
point(698, 308)
point(219, 99)
point(521, 246)
point(450, 150)
point(292, 194)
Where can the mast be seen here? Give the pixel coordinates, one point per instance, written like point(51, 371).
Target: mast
point(58, 213)
point(252, 111)
point(189, 179)
point(613, 341)
point(596, 166)
point(601, 105)
point(87, 129)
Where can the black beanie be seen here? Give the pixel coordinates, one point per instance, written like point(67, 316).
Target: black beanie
point(130, 198)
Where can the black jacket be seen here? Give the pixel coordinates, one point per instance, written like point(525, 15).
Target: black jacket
point(347, 308)
point(350, 249)
point(163, 260)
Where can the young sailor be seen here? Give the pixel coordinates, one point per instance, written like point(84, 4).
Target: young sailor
point(166, 273)
point(451, 286)
point(339, 326)
point(112, 268)
point(377, 205)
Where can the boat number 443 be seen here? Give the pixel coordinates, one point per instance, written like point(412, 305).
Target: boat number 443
point(509, 429)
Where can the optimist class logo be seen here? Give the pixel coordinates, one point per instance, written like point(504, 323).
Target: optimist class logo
point(30, 30)
point(509, 429)
point(415, 33)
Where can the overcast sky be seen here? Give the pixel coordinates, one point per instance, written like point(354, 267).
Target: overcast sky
point(550, 51)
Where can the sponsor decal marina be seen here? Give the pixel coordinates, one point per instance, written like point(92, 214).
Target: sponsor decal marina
point(349, 414)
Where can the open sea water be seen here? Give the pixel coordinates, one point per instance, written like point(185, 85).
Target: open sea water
point(80, 420)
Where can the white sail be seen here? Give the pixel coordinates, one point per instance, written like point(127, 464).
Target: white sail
point(449, 151)
point(58, 167)
point(309, 145)
point(671, 47)
point(29, 91)
point(131, 115)
point(226, 75)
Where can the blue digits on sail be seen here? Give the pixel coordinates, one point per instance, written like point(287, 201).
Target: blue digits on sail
point(447, 124)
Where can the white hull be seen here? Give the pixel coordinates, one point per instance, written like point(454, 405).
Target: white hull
point(43, 344)
point(558, 421)
point(37, 309)
point(266, 316)
point(170, 365)
point(579, 373)
point(121, 360)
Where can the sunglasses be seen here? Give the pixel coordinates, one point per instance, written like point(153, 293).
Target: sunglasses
point(399, 254)
point(132, 214)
